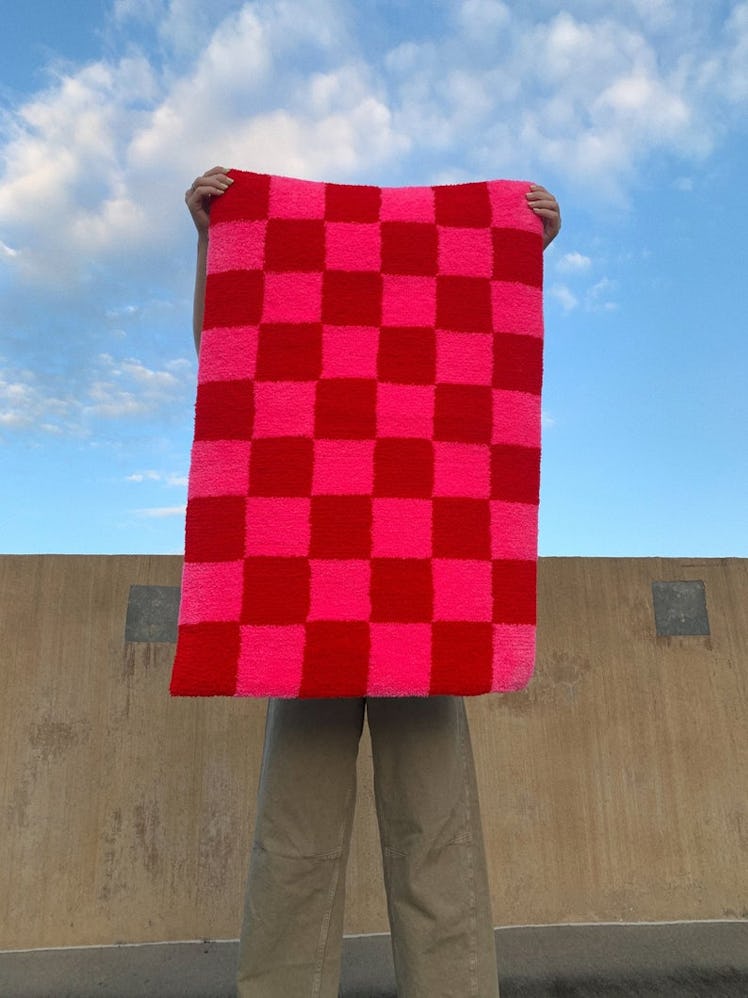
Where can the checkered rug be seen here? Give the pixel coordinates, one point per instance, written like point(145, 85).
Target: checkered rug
point(363, 490)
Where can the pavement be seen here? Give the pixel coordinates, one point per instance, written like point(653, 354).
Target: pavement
point(642, 960)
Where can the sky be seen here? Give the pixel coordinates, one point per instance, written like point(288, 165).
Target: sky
point(633, 112)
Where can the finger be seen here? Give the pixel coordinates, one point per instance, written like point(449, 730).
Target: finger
point(216, 184)
point(542, 201)
point(547, 211)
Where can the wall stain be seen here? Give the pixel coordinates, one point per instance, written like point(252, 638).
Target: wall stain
point(51, 739)
point(557, 679)
point(147, 828)
point(217, 844)
point(111, 857)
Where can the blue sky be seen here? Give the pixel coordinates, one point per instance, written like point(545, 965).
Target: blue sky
point(633, 112)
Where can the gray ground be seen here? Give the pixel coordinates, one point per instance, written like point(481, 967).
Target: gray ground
point(681, 960)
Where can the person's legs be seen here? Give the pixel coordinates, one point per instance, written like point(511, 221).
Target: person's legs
point(432, 848)
point(291, 938)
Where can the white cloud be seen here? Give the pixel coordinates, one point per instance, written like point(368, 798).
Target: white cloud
point(158, 512)
point(480, 19)
point(573, 263)
point(127, 388)
point(109, 390)
point(547, 421)
point(599, 298)
point(26, 403)
point(564, 296)
point(96, 163)
point(171, 479)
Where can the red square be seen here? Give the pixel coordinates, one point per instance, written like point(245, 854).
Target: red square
point(281, 466)
point(215, 529)
point(463, 304)
point(233, 298)
point(276, 590)
point(463, 205)
point(462, 528)
point(518, 256)
point(461, 658)
point(351, 298)
point(346, 409)
point(295, 244)
point(401, 590)
point(205, 663)
point(515, 473)
point(248, 198)
point(336, 659)
point(514, 592)
point(224, 410)
point(403, 468)
point(409, 248)
point(352, 203)
point(407, 355)
point(518, 363)
point(289, 352)
point(463, 413)
point(341, 527)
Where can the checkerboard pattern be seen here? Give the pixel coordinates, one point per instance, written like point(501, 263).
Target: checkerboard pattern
point(363, 491)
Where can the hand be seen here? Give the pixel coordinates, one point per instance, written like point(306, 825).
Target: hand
point(198, 197)
point(546, 208)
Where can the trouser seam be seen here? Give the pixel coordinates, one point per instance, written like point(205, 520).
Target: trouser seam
point(470, 847)
point(324, 935)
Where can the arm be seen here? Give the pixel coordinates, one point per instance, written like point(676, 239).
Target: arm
point(545, 206)
point(211, 184)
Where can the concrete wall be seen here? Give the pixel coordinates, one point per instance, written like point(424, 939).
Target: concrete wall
point(612, 789)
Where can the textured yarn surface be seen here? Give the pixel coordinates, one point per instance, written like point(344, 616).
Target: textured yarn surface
point(363, 489)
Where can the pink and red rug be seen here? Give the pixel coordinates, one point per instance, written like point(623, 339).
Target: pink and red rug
point(363, 490)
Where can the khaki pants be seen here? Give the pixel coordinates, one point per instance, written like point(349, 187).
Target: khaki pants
point(432, 848)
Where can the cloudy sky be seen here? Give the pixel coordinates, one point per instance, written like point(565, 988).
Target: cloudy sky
point(632, 111)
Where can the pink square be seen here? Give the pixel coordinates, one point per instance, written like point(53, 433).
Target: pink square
point(349, 351)
point(211, 591)
point(292, 297)
point(407, 204)
point(400, 660)
point(462, 589)
point(340, 589)
point(278, 527)
point(343, 467)
point(228, 352)
point(401, 528)
point(517, 308)
point(516, 418)
point(514, 530)
point(219, 468)
point(408, 301)
point(271, 661)
point(284, 408)
point(509, 207)
point(465, 251)
point(236, 246)
point(513, 656)
point(462, 470)
point(291, 198)
point(405, 410)
point(353, 246)
point(464, 358)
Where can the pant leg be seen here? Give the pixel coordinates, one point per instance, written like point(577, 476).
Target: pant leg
point(291, 939)
point(432, 848)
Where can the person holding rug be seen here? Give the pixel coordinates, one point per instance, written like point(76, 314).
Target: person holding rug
point(426, 800)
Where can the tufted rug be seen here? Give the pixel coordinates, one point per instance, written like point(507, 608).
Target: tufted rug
point(363, 489)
